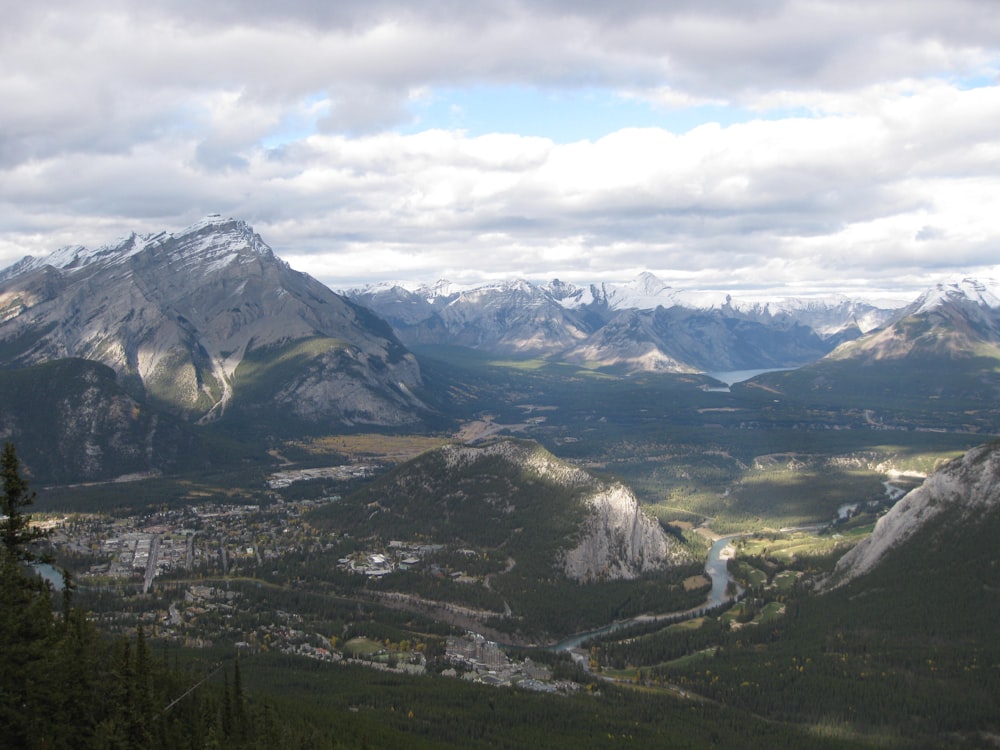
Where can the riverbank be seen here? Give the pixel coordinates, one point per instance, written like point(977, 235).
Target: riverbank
point(716, 568)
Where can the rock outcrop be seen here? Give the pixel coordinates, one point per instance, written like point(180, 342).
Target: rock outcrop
point(619, 541)
point(961, 491)
point(615, 540)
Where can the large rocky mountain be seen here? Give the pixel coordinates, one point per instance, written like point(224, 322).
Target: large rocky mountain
point(642, 325)
point(951, 320)
point(934, 366)
point(207, 322)
point(960, 495)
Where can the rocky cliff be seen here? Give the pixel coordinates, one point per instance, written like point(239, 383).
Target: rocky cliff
point(614, 540)
point(962, 491)
point(618, 540)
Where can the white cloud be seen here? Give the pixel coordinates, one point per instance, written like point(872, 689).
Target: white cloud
point(875, 147)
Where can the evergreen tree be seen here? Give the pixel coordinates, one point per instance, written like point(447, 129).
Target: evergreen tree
point(25, 607)
point(16, 531)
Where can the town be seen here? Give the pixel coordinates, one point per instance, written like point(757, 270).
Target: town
point(207, 574)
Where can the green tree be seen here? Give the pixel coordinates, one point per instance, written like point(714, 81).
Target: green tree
point(16, 530)
point(25, 608)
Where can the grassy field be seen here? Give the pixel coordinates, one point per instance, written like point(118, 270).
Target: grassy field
point(361, 646)
point(383, 447)
point(800, 547)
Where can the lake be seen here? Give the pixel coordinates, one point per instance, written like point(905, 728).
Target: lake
point(50, 574)
point(731, 377)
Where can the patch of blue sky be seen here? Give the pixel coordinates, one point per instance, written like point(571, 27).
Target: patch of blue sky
point(298, 123)
point(565, 116)
point(561, 115)
point(983, 81)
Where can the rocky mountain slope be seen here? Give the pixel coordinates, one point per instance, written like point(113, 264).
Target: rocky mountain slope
point(208, 321)
point(505, 317)
point(953, 320)
point(72, 422)
point(679, 339)
point(517, 500)
point(962, 492)
point(642, 325)
point(934, 366)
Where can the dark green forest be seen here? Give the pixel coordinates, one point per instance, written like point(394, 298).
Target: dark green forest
point(906, 657)
point(65, 685)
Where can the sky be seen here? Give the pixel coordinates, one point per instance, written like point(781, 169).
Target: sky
point(800, 146)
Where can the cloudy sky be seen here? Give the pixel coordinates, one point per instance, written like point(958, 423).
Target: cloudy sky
point(801, 145)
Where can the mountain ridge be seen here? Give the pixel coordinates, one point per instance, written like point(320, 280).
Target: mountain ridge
point(643, 325)
point(955, 319)
point(515, 496)
point(176, 316)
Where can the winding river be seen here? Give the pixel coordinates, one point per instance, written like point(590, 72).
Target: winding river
point(715, 569)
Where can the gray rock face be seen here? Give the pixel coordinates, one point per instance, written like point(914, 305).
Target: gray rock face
point(512, 317)
point(178, 315)
point(969, 486)
point(641, 326)
point(619, 541)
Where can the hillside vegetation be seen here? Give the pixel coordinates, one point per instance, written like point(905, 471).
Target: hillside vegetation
point(539, 531)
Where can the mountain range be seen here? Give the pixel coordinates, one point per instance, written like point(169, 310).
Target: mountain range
point(935, 365)
point(209, 326)
point(644, 325)
point(197, 320)
point(206, 322)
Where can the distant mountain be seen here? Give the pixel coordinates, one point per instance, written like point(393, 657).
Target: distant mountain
point(512, 317)
point(207, 323)
point(827, 315)
point(642, 325)
point(934, 366)
point(955, 320)
point(959, 495)
point(679, 339)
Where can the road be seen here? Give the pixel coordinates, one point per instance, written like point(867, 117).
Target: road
point(154, 553)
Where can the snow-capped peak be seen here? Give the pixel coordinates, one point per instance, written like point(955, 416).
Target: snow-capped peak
point(214, 238)
point(981, 292)
point(217, 242)
point(74, 257)
point(646, 292)
point(443, 289)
